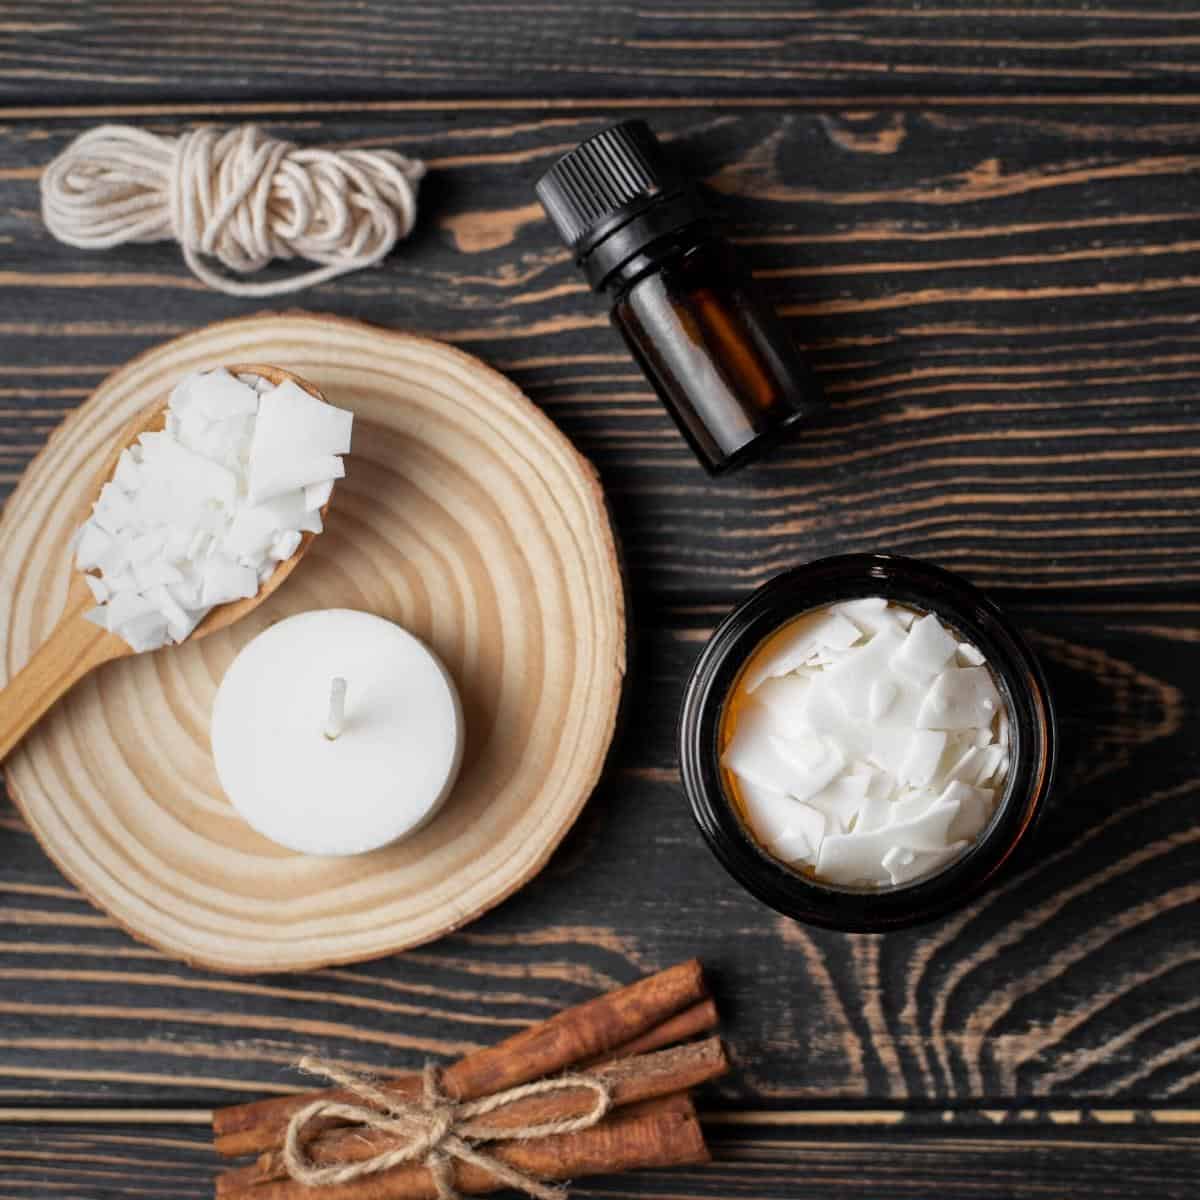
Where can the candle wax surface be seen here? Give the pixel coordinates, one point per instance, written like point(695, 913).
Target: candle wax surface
point(381, 778)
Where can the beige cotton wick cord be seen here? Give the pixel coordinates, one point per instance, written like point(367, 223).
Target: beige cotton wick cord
point(237, 195)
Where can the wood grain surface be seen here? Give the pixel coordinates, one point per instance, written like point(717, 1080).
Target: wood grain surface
point(98, 50)
point(980, 220)
point(107, 1164)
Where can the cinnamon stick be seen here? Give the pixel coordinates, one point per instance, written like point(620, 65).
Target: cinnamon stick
point(629, 1081)
point(700, 1018)
point(659, 1133)
point(575, 1034)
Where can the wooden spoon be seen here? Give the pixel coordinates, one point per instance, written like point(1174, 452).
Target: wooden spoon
point(76, 645)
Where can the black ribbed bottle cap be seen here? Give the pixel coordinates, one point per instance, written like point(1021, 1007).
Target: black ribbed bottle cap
point(618, 182)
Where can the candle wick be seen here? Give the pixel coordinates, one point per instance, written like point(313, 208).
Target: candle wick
point(335, 722)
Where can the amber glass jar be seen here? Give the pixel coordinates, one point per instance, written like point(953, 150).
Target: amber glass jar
point(716, 352)
point(912, 584)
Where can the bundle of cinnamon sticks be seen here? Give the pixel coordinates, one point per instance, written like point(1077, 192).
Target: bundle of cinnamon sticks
point(643, 1043)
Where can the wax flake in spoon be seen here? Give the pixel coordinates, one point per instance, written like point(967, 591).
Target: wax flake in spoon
point(202, 513)
point(868, 743)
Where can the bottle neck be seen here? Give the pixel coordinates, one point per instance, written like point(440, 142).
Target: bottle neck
point(654, 255)
point(632, 232)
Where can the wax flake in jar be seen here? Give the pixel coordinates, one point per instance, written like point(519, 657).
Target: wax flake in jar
point(866, 743)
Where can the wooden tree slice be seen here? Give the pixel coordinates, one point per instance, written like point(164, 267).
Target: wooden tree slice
point(466, 517)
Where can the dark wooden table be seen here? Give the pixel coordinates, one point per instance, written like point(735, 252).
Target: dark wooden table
point(983, 222)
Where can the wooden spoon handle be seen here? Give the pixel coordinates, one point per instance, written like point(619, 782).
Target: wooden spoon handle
point(74, 648)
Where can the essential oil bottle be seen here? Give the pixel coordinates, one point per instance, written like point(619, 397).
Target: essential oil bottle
point(715, 351)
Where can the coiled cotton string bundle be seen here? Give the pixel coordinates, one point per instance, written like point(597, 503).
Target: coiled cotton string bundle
point(237, 195)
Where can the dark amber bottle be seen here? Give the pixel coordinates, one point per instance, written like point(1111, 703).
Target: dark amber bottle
point(715, 351)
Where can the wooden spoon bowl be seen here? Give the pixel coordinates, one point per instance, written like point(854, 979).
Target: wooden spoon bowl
point(76, 645)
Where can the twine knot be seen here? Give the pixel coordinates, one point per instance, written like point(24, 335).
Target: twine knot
point(433, 1130)
point(237, 195)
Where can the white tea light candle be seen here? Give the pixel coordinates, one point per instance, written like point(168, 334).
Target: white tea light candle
point(336, 732)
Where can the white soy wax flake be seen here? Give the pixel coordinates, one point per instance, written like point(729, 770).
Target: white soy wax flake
point(216, 396)
point(889, 749)
point(970, 656)
point(924, 753)
point(806, 637)
point(869, 607)
point(114, 510)
point(285, 545)
point(92, 546)
point(967, 765)
point(975, 808)
point(896, 859)
point(752, 753)
point(251, 531)
point(823, 712)
point(881, 697)
point(147, 632)
point(991, 759)
point(874, 813)
point(155, 572)
point(872, 614)
point(223, 581)
point(925, 832)
point(881, 784)
point(316, 495)
point(912, 804)
point(858, 857)
point(291, 510)
point(927, 648)
point(852, 677)
point(784, 698)
point(175, 531)
point(906, 865)
point(126, 475)
point(97, 587)
point(277, 473)
point(790, 829)
point(875, 746)
point(815, 764)
point(296, 443)
point(126, 606)
point(841, 802)
point(960, 698)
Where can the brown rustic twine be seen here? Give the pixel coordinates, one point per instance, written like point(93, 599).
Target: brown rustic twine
point(237, 195)
point(434, 1130)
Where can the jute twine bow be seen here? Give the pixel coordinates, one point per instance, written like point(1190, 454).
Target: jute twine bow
point(237, 195)
point(434, 1130)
